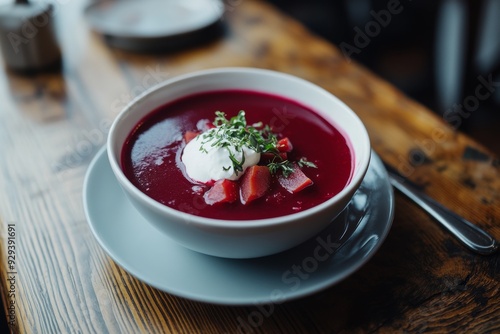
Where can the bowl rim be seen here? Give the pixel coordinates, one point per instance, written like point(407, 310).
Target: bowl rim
point(205, 222)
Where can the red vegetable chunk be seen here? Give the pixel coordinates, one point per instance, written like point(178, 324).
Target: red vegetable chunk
point(284, 145)
point(296, 181)
point(223, 191)
point(190, 135)
point(254, 183)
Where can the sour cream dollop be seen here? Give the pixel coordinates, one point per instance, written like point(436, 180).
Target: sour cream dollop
point(214, 164)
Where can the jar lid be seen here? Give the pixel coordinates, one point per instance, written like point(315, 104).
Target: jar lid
point(11, 15)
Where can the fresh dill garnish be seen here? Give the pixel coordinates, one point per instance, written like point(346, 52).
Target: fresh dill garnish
point(285, 166)
point(303, 162)
point(234, 134)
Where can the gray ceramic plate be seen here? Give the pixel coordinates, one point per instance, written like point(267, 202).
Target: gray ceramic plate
point(156, 25)
point(152, 257)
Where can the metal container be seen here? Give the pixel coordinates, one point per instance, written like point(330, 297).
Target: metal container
point(27, 37)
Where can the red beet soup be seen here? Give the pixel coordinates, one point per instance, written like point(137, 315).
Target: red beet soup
point(151, 155)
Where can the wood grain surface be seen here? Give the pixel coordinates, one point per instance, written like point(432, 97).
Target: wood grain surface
point(51, 125)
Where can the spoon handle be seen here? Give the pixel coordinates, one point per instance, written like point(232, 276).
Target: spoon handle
point(469, 234)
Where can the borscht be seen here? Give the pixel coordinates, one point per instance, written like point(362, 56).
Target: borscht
point(237, 155)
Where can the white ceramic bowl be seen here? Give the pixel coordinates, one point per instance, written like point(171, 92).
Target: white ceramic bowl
point(247, 238)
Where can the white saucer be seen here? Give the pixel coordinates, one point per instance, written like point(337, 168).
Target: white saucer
point(308, 268)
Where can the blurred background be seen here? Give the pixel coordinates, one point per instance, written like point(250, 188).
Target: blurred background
point(444, 54)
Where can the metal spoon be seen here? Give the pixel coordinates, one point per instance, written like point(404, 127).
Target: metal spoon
point(469, 234)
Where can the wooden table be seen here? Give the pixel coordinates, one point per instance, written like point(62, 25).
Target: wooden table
point(51, 125)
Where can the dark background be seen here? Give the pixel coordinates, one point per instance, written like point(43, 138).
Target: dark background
point(434, 51)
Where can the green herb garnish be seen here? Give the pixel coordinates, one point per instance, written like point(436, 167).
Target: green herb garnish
point(285, 166)
point(236, 133)
point(304, 163)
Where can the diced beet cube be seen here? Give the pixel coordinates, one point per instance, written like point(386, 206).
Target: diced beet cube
point(296, 181)
point(267, 158)
point(190, 135)
point(223, 191)
point(284, 145)
point(254, 183)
